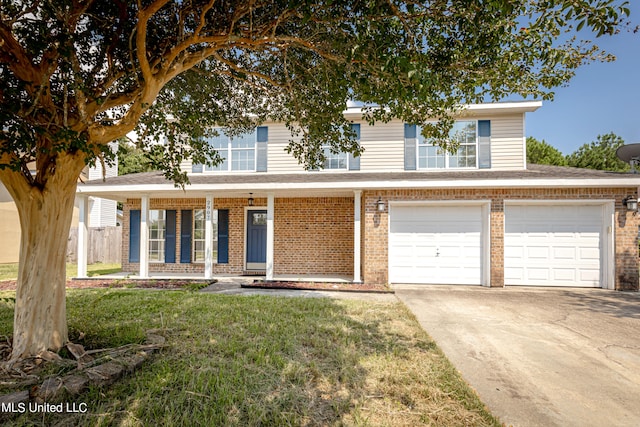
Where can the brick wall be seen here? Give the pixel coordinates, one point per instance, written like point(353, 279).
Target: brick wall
point(375, 254)
point(312, 235)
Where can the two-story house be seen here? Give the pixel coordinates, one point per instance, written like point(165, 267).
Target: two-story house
point(402, 212)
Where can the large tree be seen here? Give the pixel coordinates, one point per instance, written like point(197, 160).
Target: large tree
point(599, 154)
point(77, 74)
point(543, 153)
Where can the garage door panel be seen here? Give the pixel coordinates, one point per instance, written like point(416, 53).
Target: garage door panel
point(534, 252)
point(435, 244)
point(553, 245)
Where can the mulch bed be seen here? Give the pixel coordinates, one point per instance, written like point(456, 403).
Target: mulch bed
point(321, 286)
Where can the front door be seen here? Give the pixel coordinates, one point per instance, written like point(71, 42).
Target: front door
point(256, 239)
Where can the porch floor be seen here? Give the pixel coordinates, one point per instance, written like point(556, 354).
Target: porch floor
point(229, 278)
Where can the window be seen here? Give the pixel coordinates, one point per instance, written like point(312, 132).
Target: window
point(333, 160)
point(157, 230)
point(341, 160)
point(238, 152)
point(199, 224)
point(431, 156)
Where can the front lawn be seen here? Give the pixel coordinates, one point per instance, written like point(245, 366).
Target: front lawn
point(10, 271)
point(260, 360)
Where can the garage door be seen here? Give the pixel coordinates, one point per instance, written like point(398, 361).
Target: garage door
point(435, 244)
point(548, 245)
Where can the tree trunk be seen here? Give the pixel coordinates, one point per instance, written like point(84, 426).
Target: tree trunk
point(45, 217)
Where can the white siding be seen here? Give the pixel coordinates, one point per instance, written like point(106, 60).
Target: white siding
point(185, 165)
point(507, 146)
point(384, 146)
point(278, 160)
point(102, 212)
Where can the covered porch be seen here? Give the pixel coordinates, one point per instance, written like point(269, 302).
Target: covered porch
point(310, 235)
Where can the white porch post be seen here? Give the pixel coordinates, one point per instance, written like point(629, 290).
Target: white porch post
point(357, 201)
point(83, 235)
point(144, 236)
point(270, 236)
point(208, 238)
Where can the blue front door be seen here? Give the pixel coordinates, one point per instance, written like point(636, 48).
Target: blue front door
point(256, 239)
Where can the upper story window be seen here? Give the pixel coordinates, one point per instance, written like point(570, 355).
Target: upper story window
point(341, 161)
point(474, 150)
point(431, 156)
point(245, 152)
point(238, 152)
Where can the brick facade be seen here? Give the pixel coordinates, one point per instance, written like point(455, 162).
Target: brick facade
point(313, 235)
point(375, 249)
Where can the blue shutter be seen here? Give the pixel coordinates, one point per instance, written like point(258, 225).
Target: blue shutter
point(170, 237)
point(261, 148)
point(185, 236)
point(410, 143)
point(134, 235)
point(196, 168)
point(354, 162)
point(223, 236)
point(484, 144)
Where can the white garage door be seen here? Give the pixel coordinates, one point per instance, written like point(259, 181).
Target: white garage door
point(435, 244)
point(548, 245)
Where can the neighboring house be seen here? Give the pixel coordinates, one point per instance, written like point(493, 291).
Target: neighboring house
point(403, 212)
point(103, 213)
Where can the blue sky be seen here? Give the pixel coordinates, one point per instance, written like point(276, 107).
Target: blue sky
point(601, 98)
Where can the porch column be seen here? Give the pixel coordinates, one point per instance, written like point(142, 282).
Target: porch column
point(83, 235)
point(208, 238)
point(357, 200)
point(144, 236)
point(270, 236)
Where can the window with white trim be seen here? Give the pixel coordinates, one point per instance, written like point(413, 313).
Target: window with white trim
point(334, 160)
point(199, 233)
point(157, 231)
point(431, 156)
point(238, 152)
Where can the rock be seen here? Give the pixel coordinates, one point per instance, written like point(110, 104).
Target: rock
point(74, 384)
point(105, 373)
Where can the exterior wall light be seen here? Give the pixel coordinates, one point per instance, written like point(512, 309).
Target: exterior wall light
point(250, 199)
point(631, 203)
point(380, 205)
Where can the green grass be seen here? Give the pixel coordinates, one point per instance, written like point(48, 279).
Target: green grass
point(268, 361)
point(10, 271)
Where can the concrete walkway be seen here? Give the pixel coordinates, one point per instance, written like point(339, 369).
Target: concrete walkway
point(540, 357)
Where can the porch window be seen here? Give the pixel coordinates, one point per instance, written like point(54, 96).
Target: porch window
point(431, 156)
point(157, 231)
point(199, 224)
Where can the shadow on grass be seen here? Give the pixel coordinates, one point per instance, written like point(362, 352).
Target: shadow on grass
point(238, 360)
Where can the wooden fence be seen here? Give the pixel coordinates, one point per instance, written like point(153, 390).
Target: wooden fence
point(104, 245)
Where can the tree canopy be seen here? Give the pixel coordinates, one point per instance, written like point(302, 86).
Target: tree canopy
point(78, 74)
point(599, 154)
point(542, 153)
point(75, 75)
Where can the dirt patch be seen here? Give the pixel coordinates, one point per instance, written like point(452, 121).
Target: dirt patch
point(322, 286)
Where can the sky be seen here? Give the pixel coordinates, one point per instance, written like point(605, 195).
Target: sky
point(601, 98)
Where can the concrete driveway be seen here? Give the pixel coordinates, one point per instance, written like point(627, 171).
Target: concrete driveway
point(540, 356)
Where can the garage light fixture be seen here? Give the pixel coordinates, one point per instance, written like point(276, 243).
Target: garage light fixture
point(631, 203)
point(380, 204)
point(250, 199)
